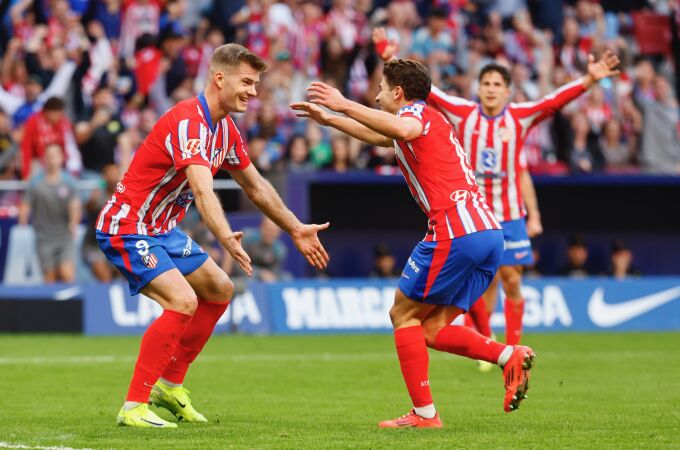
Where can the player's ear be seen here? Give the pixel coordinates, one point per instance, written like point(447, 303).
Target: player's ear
point(219, 79)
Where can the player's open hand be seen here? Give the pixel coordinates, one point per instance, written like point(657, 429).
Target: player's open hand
point(306, 240)
point(328, 96)
point(534, 226)
point(233, 245)
point(311, 111)
point(385, 48)
point(603, 67)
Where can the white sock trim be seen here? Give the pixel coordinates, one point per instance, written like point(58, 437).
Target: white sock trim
point(169, 383)
point(505, 355)
point(427, 412)
point(130, 405)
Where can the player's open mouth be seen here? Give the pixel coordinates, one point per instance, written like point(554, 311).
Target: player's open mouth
point(244, 99)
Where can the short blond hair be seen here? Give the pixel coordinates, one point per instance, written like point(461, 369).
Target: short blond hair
point(231, 55)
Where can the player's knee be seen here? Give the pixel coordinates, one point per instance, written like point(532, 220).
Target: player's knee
point(219, 288)
point(430, 334)
point(512, 285)
point(185, 302)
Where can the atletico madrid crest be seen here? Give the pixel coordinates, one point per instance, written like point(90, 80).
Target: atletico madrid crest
point(150, 260)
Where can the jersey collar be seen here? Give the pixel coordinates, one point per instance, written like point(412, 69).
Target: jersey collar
point(500, 114)
point(206, 110)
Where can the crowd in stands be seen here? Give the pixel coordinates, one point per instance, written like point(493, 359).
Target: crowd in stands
point(93, 76)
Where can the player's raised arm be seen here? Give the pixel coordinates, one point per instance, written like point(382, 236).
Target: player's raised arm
point(385, 123)
point(550, 104)
point(264, 196)
point(209, 206)
point(344, 124)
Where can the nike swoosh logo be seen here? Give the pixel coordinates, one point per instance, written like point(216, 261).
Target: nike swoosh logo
point(612, 314)
point(182, 405)
point(156, 424)
point(520, 255)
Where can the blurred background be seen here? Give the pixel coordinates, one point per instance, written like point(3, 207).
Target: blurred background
point(83, 81)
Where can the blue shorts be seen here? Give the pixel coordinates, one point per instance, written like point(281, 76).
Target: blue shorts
point(454, 272)
point(142, 258)
point(517, 244)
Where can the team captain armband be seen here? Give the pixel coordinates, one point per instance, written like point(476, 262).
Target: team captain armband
point(412, 110)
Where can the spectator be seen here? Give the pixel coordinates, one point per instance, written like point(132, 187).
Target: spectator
point(49, 126)
point(102, 135)
point(267, 252)
point(384, 263)
point(582, 158)
point(101, 269)
point(433, 46)
point(342, 159)
point(319, 146)
point(21, 105)
point(297, 156)
point(577, 257)
point(660, 142)
point(53, 203)
point(621, 260)
point(616, 152)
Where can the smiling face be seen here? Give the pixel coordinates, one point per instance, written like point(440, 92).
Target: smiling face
point(493, 92)
point(237, 85)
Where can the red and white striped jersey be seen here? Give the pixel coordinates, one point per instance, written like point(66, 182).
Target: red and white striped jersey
point(440, 179)
point(494, 145)
point(153, 195)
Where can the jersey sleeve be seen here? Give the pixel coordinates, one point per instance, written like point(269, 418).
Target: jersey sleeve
point(455, 108)
point(237, 153)
point(530, 114)
point(187, 144)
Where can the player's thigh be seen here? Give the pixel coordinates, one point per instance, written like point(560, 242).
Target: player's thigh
point(67, 271)
point(172, 291)
point(211, 283)
point(407, 312)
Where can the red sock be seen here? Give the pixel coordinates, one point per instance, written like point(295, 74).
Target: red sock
point(467, 342)
point(158, 345)
point(468, 321)
point(192, 342)
point(480, 317)
point(514, 310)
point(414, 361)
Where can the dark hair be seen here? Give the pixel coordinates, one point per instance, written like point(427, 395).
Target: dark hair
point(54, 104)
point(233, 54)
point(501, 70)
point(412, 76)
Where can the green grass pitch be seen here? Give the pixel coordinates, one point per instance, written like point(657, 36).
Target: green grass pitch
point(588, 391)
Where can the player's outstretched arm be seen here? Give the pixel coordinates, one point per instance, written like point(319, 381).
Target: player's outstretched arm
point(534, 225)
point(531, 113)
point(389, 125)
point(264, 196)
point(344, 124)
point(209, 206)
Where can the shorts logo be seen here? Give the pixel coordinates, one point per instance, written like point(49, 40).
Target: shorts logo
point(412, 265)
point(520, 255)
point(150, 260)
point(193, 147)
point(187, 248)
